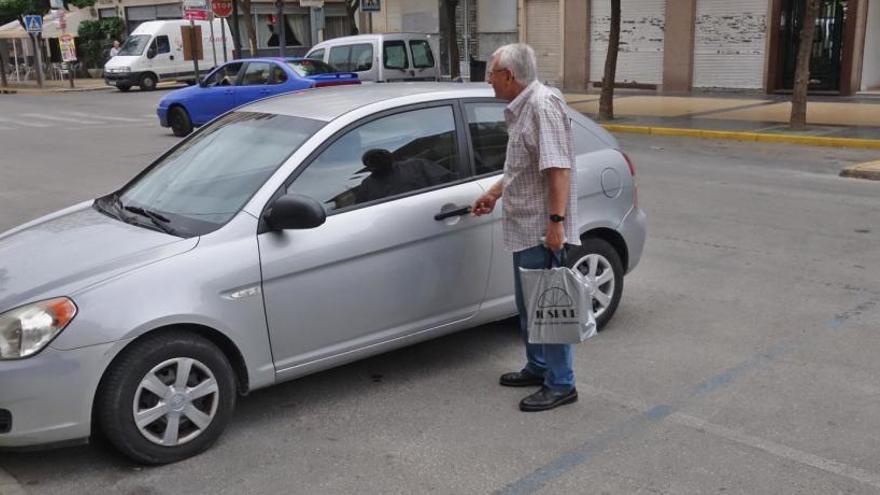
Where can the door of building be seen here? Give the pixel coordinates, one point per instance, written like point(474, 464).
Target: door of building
point(827, 53)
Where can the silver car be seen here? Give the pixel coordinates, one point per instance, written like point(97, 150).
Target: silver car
point(289, 236)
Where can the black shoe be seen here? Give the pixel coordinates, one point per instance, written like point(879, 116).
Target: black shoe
point(547, 398)
point(521, 379)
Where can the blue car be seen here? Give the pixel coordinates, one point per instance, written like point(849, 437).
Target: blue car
point(242, 81)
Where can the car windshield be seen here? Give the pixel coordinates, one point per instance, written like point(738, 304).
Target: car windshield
point(200, 185)
point(306, 68)
point(135, 45)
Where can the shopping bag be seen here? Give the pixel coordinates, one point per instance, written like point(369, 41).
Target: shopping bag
point(560, 309)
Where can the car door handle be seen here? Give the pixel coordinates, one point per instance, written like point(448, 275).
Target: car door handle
point(172, 57)
point(464, 210)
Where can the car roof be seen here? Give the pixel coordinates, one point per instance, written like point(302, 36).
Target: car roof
point(331, 102)
point(370, 37)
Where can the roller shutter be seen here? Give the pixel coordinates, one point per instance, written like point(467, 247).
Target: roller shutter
point(543, 33)
point(729, 43)
point(640, 58)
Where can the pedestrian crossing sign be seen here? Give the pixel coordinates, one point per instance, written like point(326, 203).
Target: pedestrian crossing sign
point(33, 23)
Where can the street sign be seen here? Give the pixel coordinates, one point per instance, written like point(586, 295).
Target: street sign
point(222, 8)
point(195, 5)
point(371, 5)
point(68, 48)
point(33, 23)
point(195, 15)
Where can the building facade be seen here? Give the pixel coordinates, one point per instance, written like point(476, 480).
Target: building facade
point(682, 45)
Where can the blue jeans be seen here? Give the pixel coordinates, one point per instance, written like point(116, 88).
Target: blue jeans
point(552, 361)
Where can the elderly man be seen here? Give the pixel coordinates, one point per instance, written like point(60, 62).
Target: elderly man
point(539, 208)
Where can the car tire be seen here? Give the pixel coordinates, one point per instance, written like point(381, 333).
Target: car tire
point(148, 82)
point(182, 422)
point(600, 264)
point(123, 87)
point(178, 119)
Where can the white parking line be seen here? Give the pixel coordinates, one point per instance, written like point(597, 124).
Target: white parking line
point(103, 117)
point(9, 485)
point(24, 122)
point(828, 465)
point(834, 467)
point(60, 119)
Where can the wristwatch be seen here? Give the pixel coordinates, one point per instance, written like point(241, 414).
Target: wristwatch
point(556, 218)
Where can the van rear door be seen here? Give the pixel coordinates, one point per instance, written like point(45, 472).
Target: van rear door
point(395, 61)
point(423, 61)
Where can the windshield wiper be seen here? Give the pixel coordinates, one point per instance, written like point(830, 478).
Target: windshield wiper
point(157, 219)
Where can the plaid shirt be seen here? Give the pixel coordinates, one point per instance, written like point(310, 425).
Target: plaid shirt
point(540, 138)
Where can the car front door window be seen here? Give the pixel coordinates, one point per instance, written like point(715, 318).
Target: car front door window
point(390, 157)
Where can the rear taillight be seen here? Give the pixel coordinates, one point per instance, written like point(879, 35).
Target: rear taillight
point(323, 84)
point(632, 172)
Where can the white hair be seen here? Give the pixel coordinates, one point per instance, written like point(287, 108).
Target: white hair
point(519, 58)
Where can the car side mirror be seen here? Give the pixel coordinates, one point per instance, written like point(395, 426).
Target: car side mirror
point(295, 212)
point(151, 52)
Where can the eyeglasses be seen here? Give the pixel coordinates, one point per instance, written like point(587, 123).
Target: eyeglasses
point(495, 71)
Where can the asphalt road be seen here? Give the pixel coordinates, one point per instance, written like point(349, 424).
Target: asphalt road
point(741, 361)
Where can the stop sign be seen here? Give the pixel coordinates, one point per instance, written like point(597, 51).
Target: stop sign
point(222, 8)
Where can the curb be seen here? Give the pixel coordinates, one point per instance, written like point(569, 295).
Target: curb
point(867, 170)
point(747, 136)
point(9, 485)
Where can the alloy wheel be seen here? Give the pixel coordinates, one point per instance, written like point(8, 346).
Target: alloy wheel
point(175, 402)
point(597, 273)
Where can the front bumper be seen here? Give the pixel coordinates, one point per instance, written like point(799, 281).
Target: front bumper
point(634, 229)
point(162, 113)
point(49, 396)
point(124, 78)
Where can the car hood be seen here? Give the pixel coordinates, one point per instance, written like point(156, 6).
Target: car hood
point(67, 251)
point(121, 61)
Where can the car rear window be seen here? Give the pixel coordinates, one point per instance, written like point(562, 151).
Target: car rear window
point(394, 55)
point(421, 54)
point(306, 68)
point(352, 58)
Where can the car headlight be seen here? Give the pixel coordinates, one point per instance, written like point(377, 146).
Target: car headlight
point(25, 331)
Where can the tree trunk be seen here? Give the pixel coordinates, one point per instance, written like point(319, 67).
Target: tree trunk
point(452, 38)
point(606, 101)
point(352, 7)
point(4, 50)
point(802, 73)
point(249, 26)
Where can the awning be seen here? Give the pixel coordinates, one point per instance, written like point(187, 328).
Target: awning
point(50, 27)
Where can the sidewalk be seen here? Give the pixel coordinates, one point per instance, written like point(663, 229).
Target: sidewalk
point(53, 86)
point(842, 122)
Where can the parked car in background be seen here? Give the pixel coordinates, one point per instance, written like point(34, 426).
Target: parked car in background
point(155, 52)
point(242, 81)
point(288, 236)
point(385, 57)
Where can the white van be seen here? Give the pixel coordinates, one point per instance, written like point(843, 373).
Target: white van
point(384, 57)
point(154, 53)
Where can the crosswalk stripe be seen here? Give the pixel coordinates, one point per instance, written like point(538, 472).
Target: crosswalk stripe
point(60, 119)
point(103, 117)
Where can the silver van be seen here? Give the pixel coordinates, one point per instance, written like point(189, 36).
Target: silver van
point(384, 57)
